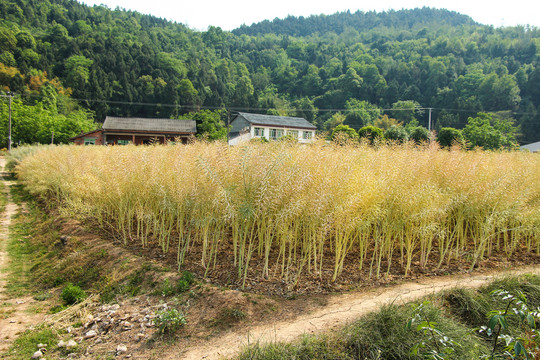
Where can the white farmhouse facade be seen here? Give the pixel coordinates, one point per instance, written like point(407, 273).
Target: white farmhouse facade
point(246, 126)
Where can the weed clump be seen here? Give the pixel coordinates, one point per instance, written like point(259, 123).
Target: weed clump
point(72, 294)
point(182, 285)
point(169, 321)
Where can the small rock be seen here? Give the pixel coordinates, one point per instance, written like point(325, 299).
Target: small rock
point(71, 344)
point(90, 334)
point(37, 355)
point(64, 239)
point(19, 302)
point(41, 345)
point(98, 341)
point(121, 348)
point(140, 336)
point(126, 325)
point(61, 344)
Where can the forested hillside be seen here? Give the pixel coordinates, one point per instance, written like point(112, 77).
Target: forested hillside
point(344, 68)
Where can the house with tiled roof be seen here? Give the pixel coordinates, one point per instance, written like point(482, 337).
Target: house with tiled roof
point(246, 126)
point(533, 147)
point(138, 131)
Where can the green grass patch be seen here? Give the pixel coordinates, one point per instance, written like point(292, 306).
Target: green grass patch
point(22, 251)
point(26, 344)
point(3, 198)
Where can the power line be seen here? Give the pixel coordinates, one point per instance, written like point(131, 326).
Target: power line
point(240, 108)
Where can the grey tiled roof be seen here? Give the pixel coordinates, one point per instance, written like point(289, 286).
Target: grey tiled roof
point(272, 120)
point(151, 125)
point(533, 147)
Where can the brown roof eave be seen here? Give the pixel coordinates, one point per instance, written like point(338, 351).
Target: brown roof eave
point(114, 131)
point(85, 134)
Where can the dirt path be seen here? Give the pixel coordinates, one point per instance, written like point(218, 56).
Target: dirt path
point(16, 314)
point(341, 310)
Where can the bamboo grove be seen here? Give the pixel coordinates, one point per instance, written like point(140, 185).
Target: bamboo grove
point(301, 209)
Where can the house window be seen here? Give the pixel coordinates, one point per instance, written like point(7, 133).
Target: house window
point(276, 133)
point(259, 131)
point(123, 142)
point(308, 135)
point(293, 133)
point(89, 141)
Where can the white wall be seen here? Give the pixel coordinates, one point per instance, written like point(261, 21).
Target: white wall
point(251, 135)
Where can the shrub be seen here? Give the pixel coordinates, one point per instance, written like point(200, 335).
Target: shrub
point(419, 134)
point(169, 321)
point(289, 138)
point(396, 133)
point(72, 294)
point(259, 140)
point(343, 132)
point(449, 136)
point(370, 133)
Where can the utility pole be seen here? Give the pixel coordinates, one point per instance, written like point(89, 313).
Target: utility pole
point(429, 120)
point(10, 95)
point(228, 124)
point(52, 138)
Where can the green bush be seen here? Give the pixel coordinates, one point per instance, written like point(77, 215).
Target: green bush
point(259, 140)
point(343, 133)
point(419, 134)
point(396, 133)
point(371, 133)
point(449, 136)
point(72, 294)
point(169, 321)
point(289, 138)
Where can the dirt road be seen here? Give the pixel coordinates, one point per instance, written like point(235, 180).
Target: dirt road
point(16, 313)
point(341, 310)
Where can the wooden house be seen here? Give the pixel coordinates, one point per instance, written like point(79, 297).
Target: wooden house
point(138, 131)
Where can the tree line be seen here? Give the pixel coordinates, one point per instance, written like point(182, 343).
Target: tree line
point(355, 67)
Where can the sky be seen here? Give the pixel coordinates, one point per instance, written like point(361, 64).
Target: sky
point(230, 14)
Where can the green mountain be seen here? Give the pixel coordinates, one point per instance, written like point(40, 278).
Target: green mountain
point(360, 21)
point(124, 63)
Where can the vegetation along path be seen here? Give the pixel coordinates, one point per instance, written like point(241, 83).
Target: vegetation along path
point(15, 310)
point(341, 310)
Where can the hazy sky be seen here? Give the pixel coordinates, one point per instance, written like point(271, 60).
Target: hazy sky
point(230, 14)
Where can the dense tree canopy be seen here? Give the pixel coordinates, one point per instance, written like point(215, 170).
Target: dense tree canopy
point(347, 68)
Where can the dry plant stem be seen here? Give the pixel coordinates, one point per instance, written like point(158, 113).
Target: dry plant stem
point(300, 209)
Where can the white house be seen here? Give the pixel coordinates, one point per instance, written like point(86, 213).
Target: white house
point(534, 147)
point(245, 126)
